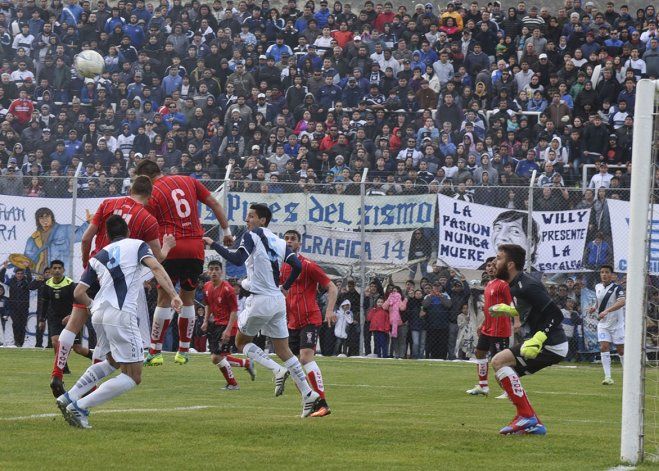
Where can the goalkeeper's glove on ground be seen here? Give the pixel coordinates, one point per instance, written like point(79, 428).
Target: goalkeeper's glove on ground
point(503, 310)
point(532, 346)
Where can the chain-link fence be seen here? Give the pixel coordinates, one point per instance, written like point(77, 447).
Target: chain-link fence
point(371, 237)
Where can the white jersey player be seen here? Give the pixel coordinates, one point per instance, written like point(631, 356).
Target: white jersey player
point(610, 310)
point(263, 253)
point(117, 269)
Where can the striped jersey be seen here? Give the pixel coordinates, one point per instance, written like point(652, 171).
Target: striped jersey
point(301, 305)
point(141, 224)
point(615, 318)
point(266, 254)
point(496, 292)
point(174, 203)
point(117, 268)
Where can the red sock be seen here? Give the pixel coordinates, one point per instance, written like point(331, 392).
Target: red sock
point(57, 372)
point(481, 366)
point(227, 372)
point(509, 381)
point(235, 361)
point(315, 378)
point(158, 342)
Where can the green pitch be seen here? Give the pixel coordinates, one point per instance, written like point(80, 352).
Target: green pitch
point(386, 414)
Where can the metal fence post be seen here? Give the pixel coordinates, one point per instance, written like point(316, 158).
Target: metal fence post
point(362, 259)
point(72, 232)
point(529, 223)
point(225, 187)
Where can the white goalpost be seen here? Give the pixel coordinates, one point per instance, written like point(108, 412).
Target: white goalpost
point(633, 406)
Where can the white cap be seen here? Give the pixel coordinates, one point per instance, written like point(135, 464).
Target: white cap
point(261, 95)
point(357, 38)
point(542, 56)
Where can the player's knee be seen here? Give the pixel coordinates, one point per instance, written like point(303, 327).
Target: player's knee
point(306, 355)
point(215, 358)
point(499, 361)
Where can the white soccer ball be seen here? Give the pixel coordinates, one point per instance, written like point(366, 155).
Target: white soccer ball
point(89, 64)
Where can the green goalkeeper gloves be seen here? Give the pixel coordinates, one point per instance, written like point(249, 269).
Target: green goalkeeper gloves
point(503, 309)
point(532, 346)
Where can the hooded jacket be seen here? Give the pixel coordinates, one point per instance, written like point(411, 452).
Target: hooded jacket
point(344, 318)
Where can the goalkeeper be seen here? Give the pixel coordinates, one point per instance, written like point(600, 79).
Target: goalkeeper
point(545, 343)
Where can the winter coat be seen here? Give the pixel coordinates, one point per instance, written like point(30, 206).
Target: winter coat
point(378, 320)
point(344, 318)
point(395, 304)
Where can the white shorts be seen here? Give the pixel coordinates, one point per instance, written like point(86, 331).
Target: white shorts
point(143, 319)
point(264, 313)
point(117, 333)
point(614, 335)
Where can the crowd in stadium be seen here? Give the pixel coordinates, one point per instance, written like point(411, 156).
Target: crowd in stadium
point(464, 99)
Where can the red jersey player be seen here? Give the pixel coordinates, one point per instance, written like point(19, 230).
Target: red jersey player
point(220, 324)
point(304, 317)
point(494, 332)
point(174, 204)
point(142, 225)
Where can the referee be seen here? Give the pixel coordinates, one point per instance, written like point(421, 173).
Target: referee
point(56, 302)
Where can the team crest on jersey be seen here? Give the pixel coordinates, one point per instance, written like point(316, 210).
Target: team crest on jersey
point(309, 337)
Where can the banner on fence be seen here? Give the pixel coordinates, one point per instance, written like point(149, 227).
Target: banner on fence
point(332, 246)
point(620, 212)
point(590, 321)
point(39, 229)
point(469, 233)
point(340, 212)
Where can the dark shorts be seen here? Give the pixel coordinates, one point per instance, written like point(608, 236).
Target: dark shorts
point(185, 271)
point(55, 327)
point(306, 337)
point(527, 366)
point(214, 336)
point(493, 345)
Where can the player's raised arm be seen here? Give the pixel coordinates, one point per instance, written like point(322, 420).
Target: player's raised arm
point(296, 268)
point(163, 280)
point(221, 216)
point(86, 242)
point(238, 256)
point(161, 252)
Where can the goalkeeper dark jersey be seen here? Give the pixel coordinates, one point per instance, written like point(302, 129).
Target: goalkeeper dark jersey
point(537, 312)
point(56, 299)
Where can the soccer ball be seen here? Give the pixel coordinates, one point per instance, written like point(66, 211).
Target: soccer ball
point(89, 64)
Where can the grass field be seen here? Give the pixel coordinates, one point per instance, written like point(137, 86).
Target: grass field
point(386, 415)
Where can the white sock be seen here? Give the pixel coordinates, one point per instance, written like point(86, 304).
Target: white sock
point(622, 361)
point(187, 312)
point(606, 363)
point(160, 316)
point(315, 376)
point(255, 353)
point(110, 389)
point(90, 378)
point(66, 339)
point(297, 373)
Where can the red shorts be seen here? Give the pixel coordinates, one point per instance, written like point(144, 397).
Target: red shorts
point(187, 248)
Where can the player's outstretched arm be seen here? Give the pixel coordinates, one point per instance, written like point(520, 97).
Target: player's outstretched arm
point(296, 268)
point(168, 243)
point(86, 242)
point(163, 280)
point(218, 210)
point(332, 294)
point(237, 257)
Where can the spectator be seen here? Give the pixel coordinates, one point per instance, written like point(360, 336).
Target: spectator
point(344, 319)
point(378, 319)
point(598, 252)
point(395, 305)
point(420, 250)
point(18, 303)
point(437, 305)
point(602, 179)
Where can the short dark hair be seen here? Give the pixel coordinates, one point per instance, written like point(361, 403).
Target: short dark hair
point(293, 231)
point(514, 253)
point(214, 263)
point(142, 186)
point(56, 262)
point(512, 216)
point(116, 227)
point(606, 265)
point(147, 168)
point(262, 211)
